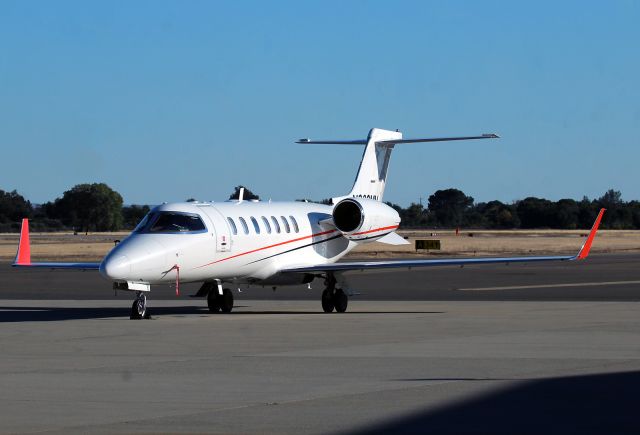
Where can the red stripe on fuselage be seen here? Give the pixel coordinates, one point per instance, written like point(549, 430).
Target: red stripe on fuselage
point(292, 241)
point(392, 227)
point(267, 247)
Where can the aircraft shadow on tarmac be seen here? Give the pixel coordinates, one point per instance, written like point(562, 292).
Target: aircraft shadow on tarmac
point(52, 314)
point(588, 404)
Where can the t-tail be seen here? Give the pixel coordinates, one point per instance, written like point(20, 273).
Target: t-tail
point(374, 166)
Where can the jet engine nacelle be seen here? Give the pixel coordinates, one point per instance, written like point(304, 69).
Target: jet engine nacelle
point(362, 219)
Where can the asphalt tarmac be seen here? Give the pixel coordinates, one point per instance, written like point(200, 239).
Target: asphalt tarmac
point(611, 277)
point(521, 349)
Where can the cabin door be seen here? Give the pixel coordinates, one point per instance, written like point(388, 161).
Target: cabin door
point(222, 231)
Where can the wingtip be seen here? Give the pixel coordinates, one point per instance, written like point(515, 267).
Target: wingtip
point(586, 248)
point(23, 256)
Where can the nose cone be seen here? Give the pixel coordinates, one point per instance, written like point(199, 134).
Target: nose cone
point(118, 267)
point(137, 258)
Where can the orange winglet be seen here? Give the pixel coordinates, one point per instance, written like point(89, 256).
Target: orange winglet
point(23, 257)
point(584, 251)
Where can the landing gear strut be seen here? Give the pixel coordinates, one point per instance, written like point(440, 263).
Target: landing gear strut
point(333, 298)
point(220, 302)
point(139, 307)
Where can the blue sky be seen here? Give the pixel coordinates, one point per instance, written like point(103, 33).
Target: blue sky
point(169, 100)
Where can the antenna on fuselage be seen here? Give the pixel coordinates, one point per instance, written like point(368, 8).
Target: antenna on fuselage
point(241, 194)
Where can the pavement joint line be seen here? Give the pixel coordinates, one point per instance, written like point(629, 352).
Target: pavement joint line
point(572, 284)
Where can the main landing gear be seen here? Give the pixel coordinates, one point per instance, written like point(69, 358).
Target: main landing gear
point(139, 307)
point(220, 302)
point(334, 298)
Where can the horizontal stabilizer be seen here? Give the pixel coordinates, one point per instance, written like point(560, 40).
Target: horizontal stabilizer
point(333, 142)
point(394, 239)
point(439, 139)
point(398, 141)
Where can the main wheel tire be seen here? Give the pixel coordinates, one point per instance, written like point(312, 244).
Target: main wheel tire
point(138, 309)
point(213, 300)
point(327, 301)
point(340, 301)
point(226, 301)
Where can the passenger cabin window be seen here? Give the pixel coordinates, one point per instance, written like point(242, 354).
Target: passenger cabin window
point(266, 224)
point(232, 224)
point(245, 227)
point(276, 225)
point(255, 225)
point(295, 224)
point(175, 222)
point(286, 224)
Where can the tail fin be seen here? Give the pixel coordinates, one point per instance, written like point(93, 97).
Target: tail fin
point(372, 174)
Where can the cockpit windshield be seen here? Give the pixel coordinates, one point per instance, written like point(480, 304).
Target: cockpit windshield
point(143, 223)
point(170, 222)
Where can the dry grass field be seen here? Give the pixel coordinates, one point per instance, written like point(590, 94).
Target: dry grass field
point(92, 247)
point(62, 246)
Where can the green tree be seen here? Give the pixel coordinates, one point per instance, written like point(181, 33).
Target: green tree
point(413, 216)
point(132, 214)
point(566, 214)
point(247, 193)
point(449, 207)
point(89, 207)
point(634, 209)
point(535, 213)
point(617, 216)
point(586, 212)
point(499, 215)
point(13, 207)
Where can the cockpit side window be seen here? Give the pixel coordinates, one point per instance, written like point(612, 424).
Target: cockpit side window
point(176, 222)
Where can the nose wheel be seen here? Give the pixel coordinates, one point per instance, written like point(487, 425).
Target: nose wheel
point(139, 307)
point(220, 302)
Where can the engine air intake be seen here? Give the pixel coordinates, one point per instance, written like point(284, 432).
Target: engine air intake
point(348, 215)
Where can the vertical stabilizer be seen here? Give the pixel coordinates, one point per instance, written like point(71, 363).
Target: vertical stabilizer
point(372, 174)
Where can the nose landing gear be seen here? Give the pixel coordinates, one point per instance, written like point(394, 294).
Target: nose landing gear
point(220, 302)
point(139, 307)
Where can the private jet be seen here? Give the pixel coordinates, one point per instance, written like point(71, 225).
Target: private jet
point(247, 242)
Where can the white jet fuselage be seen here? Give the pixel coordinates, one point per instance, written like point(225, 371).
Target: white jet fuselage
point(245, 241)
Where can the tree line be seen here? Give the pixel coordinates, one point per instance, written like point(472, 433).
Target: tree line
point(97, 207)
point(83, 208)
point(451, 208)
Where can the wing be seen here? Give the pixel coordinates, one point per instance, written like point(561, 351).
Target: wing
point(393, 264)
point(23, 257)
